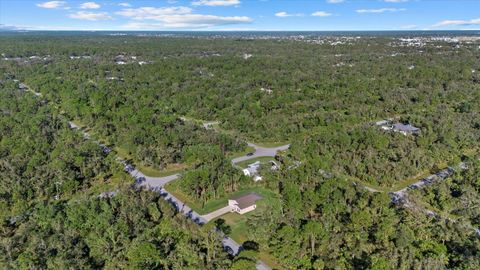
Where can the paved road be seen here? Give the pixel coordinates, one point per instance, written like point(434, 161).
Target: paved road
point(156, 184)
point(397, 196)
point(180, 206)
point(217, 213)
point(232, 247)
point(152, 182)
point(148, 181)
point(261, 152)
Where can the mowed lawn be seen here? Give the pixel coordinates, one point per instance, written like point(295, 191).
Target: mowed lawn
point(214, 204)
point(240, 228)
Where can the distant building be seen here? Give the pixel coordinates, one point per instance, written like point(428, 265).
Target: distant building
point(247, 55)
point(252, 171)
point(266, 90)
point(22, 86)
point(405, 129)
point(244, 203)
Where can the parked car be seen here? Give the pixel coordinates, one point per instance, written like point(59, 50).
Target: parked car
point(250, 154)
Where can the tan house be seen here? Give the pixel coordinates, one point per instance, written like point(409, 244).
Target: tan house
point(244, 203)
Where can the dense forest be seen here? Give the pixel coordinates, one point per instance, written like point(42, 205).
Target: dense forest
point(285, 92)
point(324, 222)
point(51, 215)
point(457, 197)
point(145, 96)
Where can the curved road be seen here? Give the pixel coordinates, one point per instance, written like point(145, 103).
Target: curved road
point(261, 152)
point(157, 183)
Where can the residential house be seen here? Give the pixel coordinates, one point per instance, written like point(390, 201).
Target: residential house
point(405, 129)
point(244, 203)
point(252, 171)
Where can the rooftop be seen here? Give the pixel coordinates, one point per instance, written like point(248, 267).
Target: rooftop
point(406, 128)
point(246, 200)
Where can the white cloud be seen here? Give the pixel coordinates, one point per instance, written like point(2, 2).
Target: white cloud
point(152, 13)
point(457, 23)
point(188, 21)
point(176, 17)
point(409, 26)
point(395, 1)
point(380, 10)
point(321, 14)
point(216, 3)
point(52, 4)
point(89, 5)
point(9, 27)
point(335, 1)
point(283, 14)
point(90, 16)
point(124, 4)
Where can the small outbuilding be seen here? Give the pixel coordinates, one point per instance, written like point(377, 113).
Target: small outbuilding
point(252, 171)
point(405, 129)
point(244, 203)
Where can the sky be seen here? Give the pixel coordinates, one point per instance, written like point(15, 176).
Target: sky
point(241, 15)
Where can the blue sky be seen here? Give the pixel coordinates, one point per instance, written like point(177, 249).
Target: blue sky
point(267, 15)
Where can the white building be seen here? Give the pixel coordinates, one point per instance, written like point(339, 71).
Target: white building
point(244, 203)
point(252, 171)
point(405, 129)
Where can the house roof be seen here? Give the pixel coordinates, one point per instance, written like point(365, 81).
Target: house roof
point(246, 200)
point(406, 128)
point(256, 164)
point(252, 170)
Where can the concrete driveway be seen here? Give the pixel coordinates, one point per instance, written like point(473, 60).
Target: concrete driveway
point(217, 213)
point(261, 152)
point(156, 184)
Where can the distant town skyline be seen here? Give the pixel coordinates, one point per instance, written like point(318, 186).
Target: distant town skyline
point(241, 15)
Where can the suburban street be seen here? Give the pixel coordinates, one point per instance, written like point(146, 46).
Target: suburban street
point(156, 184)
point(441, 175)
point(261, 152)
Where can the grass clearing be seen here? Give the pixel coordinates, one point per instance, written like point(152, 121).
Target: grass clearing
point(212, 205)
point(240, 228)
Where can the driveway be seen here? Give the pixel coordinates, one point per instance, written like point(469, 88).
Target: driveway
point(261, 152)
point(156, 184)
point(217, 213)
